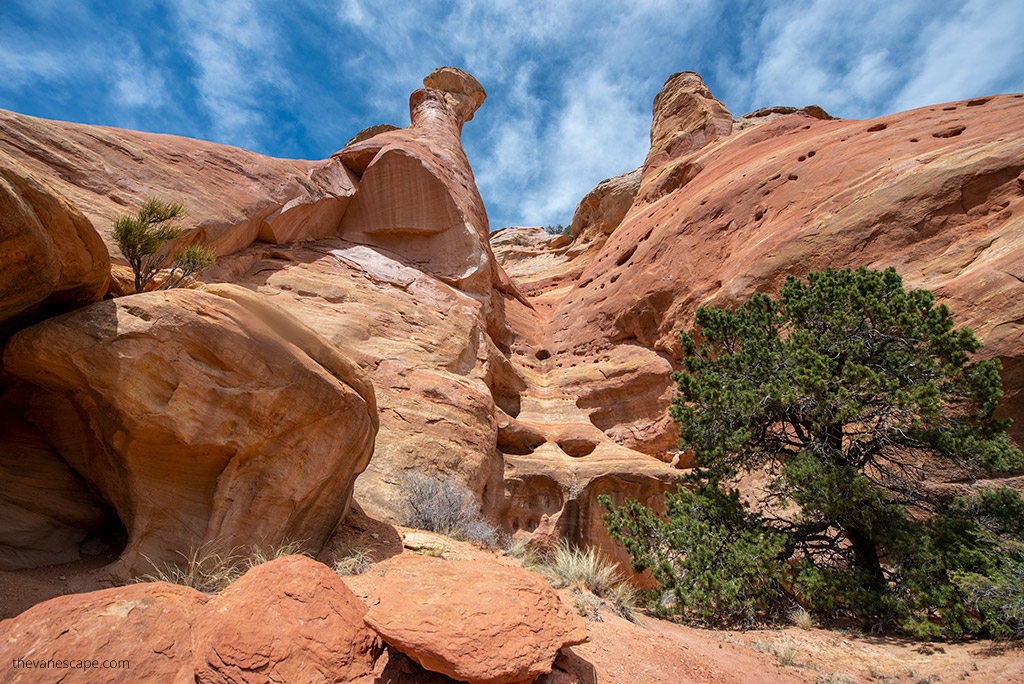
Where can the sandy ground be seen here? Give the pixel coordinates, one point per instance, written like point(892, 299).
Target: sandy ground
point(646, 651)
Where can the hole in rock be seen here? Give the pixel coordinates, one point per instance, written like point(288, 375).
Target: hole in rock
point(626, 256)
point(543, 354)
point(518, 440)
point(913, 140)
point(793, 176)
point(577, 448)
point(107, 540)
point(878, 127)
point(950, 133)
point(801, 158)
point(949, 109)
point(980, 101)
point(811, 154)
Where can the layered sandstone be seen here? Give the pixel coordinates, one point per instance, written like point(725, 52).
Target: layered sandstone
point(204, 419)
point(935, 192)
point(233, 196)
point(51, 258)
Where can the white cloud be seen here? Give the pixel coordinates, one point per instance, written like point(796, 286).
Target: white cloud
point(233, 45)
point(966, 55)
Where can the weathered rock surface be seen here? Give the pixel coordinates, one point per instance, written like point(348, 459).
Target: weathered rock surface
point(50, 255)
point(137, 633)
point(233, 196)
point(289, 620)
point(417, 197)
point(476, 621)
point(686, 117)
point(201, 417)
point(934, 192)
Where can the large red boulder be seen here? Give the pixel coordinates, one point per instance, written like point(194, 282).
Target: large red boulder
point(476, 621)
point(138, 633)
point(289, 620)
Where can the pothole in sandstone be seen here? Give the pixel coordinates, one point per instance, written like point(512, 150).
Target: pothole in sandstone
point(577, 448)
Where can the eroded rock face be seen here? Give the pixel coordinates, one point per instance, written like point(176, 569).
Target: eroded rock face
point(476, 621)
point(423, 343)
point(233, 196)
point(289, 620)
point(203, 418)
point(146, 629)
point(934, 192)
point(417, 197)
point(50, 255)
point(46, 508)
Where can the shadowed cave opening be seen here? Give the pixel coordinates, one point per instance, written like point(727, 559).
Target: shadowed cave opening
point(108, 540)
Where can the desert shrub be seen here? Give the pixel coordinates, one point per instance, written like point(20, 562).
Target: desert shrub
point(836, 393)
point(354, 561)
point(445, 506)
point(558, 230)
point(211, 570)
point(142, 239)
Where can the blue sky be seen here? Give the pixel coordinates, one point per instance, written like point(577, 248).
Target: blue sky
point(569, 84)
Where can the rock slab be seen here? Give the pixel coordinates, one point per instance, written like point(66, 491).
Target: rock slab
point(476, 621)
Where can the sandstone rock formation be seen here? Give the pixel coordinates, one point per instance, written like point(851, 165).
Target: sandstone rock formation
point(476, 621)
point(288, 620)
point(202, 418)
point(50, 255)
point(234, 197)
point(47, 509)
point(934, 192)
point(416, 196)
point(545, 383)
point(138, 633)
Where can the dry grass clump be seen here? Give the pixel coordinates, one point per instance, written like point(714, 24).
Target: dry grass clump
point(801, 618)
point(586, 571)
point(353, 561)
point(211, 570)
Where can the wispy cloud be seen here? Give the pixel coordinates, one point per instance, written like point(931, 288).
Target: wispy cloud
point(569, 84)
point(233, 48)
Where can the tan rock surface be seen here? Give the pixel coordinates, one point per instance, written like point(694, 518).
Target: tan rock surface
point(288, 620)
point(138, 633)
point(233, 196)
point(200, 419)
point(476, 621)
point(417, 197)
point(422, 342)
point(50, 255)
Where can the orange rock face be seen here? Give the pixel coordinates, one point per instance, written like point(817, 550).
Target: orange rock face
point(201, 417)
point(476, 621)
point(50, 255)
point(417, 197)
point(137, 633)
point(233, 196)
point(289, 620)
point(935, 192)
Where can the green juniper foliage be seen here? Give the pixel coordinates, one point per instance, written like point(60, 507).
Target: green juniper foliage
point(841, 392)
point(142, 238)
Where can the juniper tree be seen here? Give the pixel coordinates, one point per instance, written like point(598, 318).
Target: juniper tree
point(142, 239)
point(842, 393)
